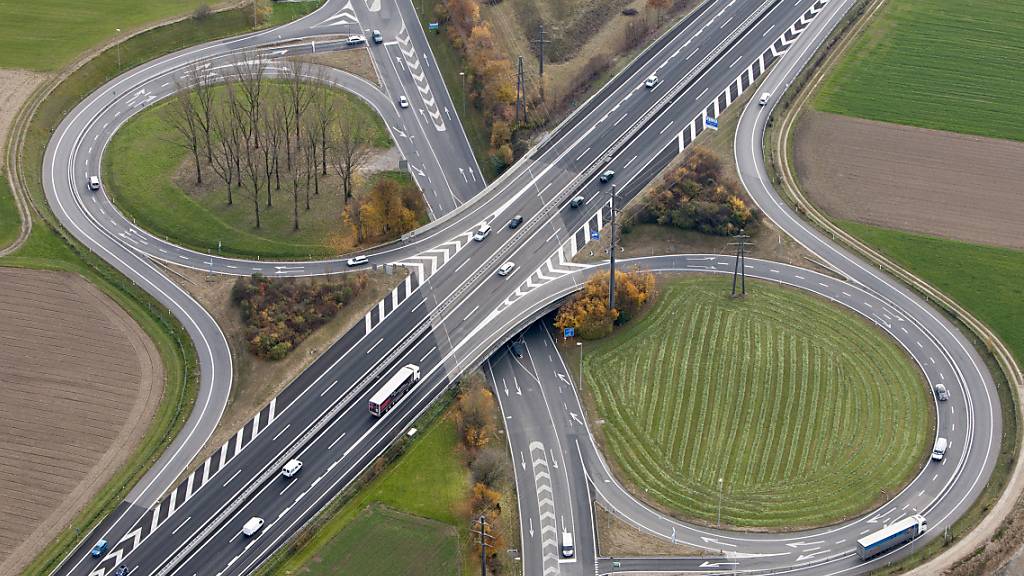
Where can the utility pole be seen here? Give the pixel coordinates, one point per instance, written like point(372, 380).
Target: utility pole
point(541, 41)
point(463, 76)
point(720, 503)
point(740, 268)
point(520, 94)
point(611, 257)
point(118, 50)
point(483, 545)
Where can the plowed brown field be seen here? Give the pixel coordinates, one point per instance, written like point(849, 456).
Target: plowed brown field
point(79, 383)
point(939, 183)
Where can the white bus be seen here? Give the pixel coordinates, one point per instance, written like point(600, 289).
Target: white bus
point(893, 535)
point(391, 392)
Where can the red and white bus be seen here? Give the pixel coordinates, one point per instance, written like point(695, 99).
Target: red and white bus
point(391, 392)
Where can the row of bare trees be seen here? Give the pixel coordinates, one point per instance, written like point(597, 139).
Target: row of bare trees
point(252, 133)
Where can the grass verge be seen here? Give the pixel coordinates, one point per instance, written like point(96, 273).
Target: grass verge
point(48, 247)
point(145, 176)
point(428, 481)
point(809, 414)
point(945, 65)
point(10, 220)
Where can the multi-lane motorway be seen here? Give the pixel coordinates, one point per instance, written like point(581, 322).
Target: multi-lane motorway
point(452, 312)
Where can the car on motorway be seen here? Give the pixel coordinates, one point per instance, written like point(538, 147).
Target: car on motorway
point(939, 450)
point(567, 548)
point(506, 268)
point(378, 38)
point(291, 468)
point(252, 526)
point(515, 222)
point(577, 202)
point(941, 392)
point(355, 40)
point(94, 183)
point(403, 102)
point(100, 548)
point(517, 349)
point(764, 98)
point(607, 175)
point(122, 570)
point(652, 81)
point(482, 232)
point(357, 261)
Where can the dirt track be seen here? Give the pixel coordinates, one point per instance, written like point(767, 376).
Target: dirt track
point(926, 181)
point(80, 382)
point(15, 86)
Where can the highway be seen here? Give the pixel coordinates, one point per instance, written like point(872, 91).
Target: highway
point(452, 312)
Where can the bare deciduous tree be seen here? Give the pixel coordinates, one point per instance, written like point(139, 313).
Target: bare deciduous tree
point(250, 69)
point(180, 114)
point(324, 114)
point(199, 77)
point(299, 92)
point(350, 148)
point(228, 135)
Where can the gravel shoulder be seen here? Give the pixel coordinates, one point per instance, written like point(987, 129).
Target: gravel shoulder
point(81, 382)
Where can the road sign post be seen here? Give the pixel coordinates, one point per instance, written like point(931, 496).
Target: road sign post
point(711, 123)
point(595, 235)
point(569, 332)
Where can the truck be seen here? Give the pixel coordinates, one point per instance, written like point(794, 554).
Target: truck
point(896, 534)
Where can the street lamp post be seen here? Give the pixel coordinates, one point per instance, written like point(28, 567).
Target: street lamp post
point(118, 30)
point(720, 503)
point(580, 344)
point(463, 76)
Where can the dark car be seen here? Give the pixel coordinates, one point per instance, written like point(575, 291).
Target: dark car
point(577, 202)
point(607, 175)
point(121, 571)
point(515, 222)
point(517, 349)
point(378, 38)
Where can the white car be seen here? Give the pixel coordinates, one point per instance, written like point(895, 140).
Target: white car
point(357, 261)
point(764, 98)
point(403, 102)
point(506, 268)
point(941, 392)
point(482, 232)
point(939, 450)
point(94, 183)
point(252, 526)
point(291, 468)
point(652, 81)
point(355, 40)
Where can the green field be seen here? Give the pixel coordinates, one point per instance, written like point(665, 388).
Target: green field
point(429, 548)
point(45, 35)
point(984, 279)
point(142, 160)
point(945, 65)
point(428, 481)
point(807, 413)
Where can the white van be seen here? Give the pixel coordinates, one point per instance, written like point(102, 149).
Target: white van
point(764, 98)
point(291, 468)
point(94, 183)
point(481, 232)
point(939, 450)
point(252, 526)
point(567, 549)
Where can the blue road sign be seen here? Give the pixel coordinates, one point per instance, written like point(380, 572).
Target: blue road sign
point(711, 122)
point(569, 332)
point(433, 26)
point(595, 235)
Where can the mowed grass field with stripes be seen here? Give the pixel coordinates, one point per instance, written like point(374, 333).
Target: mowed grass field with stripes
point(808, 413)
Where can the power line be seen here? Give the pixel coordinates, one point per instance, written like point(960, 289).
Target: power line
point(483, 544)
